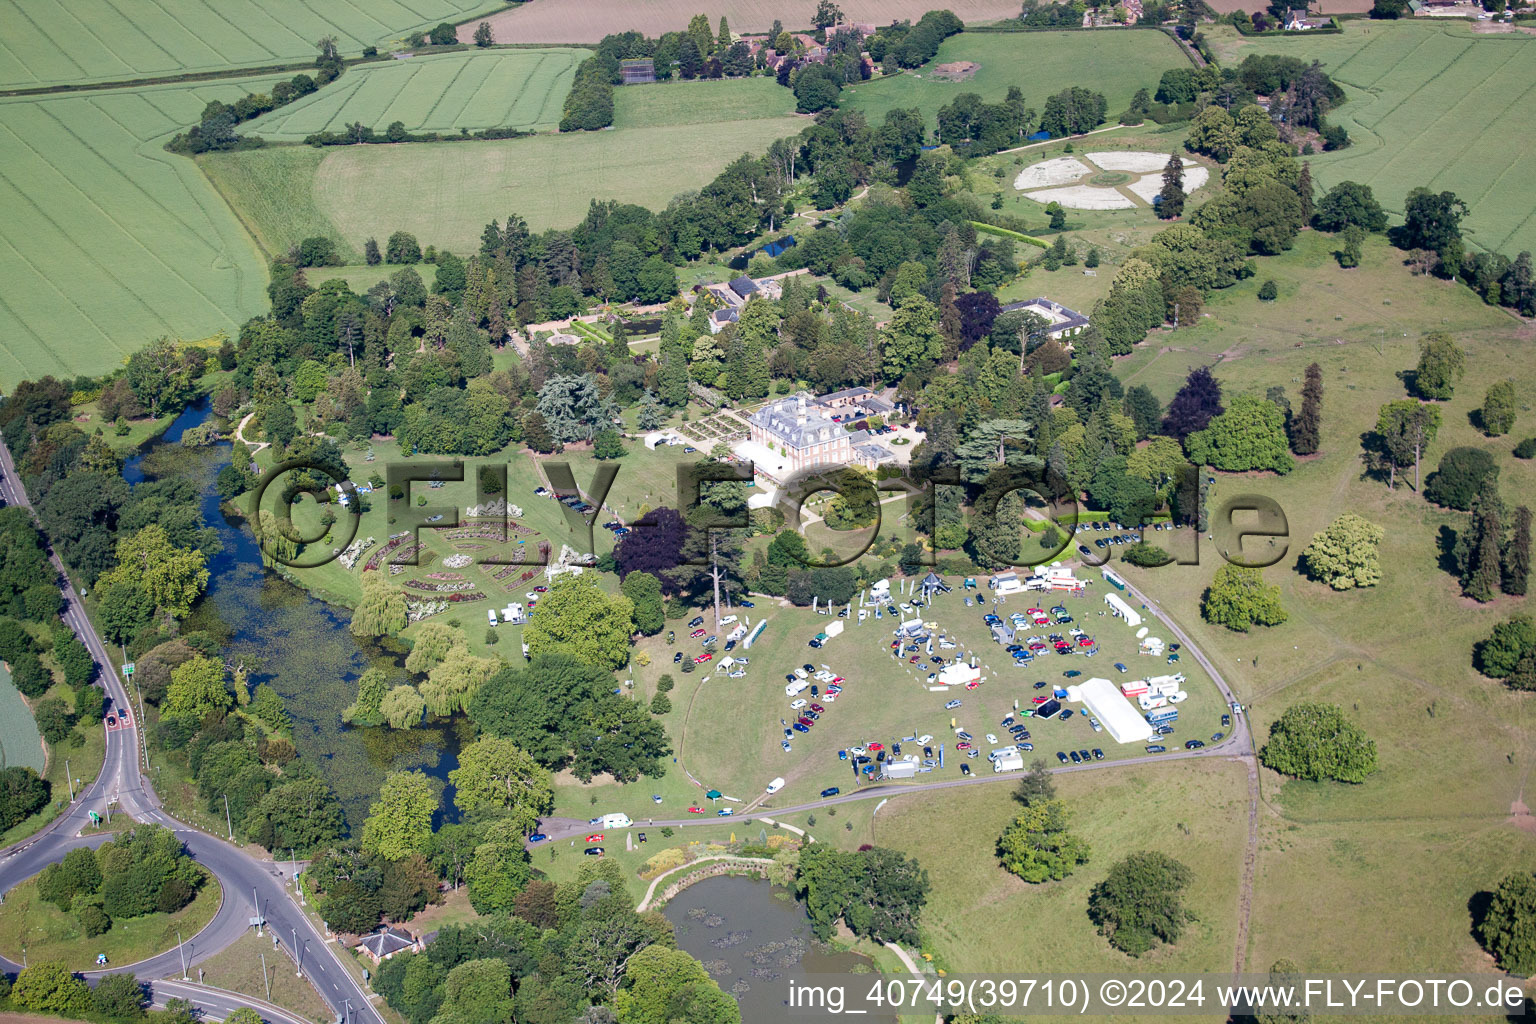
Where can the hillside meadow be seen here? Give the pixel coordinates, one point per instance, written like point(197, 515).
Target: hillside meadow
point(1039, 63)
point(436, 93)
point(1432, 104)
point(57, 42)
point(109, 241)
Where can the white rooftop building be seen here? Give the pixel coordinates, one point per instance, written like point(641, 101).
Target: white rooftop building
point(1113, 711)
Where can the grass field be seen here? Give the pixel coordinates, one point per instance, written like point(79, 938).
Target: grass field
point(20, 743)
point(700, 102)
point(49, 933)
point(361, 277)
point(51, 42)
point(238, 968)
point(1040, 63)
point(443, 93)
point(1434, 105)
point(447, 192)
point(587, 21)
point(109, 241)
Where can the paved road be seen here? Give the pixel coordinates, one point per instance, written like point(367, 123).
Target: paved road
point(251, 885)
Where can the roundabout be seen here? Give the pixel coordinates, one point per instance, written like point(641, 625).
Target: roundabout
point(1111, 180)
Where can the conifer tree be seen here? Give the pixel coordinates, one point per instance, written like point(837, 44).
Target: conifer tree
point(1306, 428)
point(1480, 555)
point(1172, 194)
point(1517, 555)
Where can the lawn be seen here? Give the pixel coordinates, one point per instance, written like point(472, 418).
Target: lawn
point(238, 968)
point(1454, 748)
point(48, 933)
point(52, 42)
point(1194, 812)
point(109, 241)
point(446, 193)
point(80, 754)
point(1040, 63)
point(20, 743)
point(1433, 105)
point(436, 93)
point(700, 102)
point(588, 21)
point(361, 277)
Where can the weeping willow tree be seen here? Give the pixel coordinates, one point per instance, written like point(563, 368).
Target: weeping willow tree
point(278, 546)
point(381, 612)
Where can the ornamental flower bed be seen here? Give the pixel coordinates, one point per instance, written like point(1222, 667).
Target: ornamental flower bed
point(433, 587)
point(457, 561)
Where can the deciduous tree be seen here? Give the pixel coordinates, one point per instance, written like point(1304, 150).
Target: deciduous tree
point(1315, 741)
point(1344, 556)
point(399, 823)
point(1239, 599)
point(1141, 902)
point(494, 775)
point(1039, 846)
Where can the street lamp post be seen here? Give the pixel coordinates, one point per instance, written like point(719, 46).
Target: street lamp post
point(182, 950)
point(227, 822)
point(71, 778)
point(298, 954)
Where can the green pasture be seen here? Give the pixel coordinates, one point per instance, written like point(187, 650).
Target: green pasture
point(55, 42)
point(108, 241)
point(435, 93)
point(361, 277)
point(703, 101)
point(1040, 63)
point(1433, 105)
point(445, 193)
point(20, 742)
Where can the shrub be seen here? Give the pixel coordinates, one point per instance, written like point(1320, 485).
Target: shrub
point(1268, 292)
point(1526, 449)
point(94, 920)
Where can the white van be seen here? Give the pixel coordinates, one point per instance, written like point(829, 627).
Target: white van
point(490, 613)
point(612, 821)
point(775, 786)
point(796, 688)
point(727, 620)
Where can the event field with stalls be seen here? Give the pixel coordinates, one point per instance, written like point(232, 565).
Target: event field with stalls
point(1429, 104)
point(52, 42)
point(886, 699)
point(521, 89)
point(109, 241)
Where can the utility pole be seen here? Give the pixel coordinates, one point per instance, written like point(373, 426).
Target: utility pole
point(71, 778)
point(256, 903)
point(227, 822)
point(182, 950)
point(298, 954)
point(264, 979)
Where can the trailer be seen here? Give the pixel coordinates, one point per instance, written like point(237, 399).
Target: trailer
point(1162, 716)
point(1008, 762)
point(901, 769)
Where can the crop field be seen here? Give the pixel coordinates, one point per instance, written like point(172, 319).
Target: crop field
point(587, 21)
point(1433, 105)
point(53, 42)
point(700, 102)
point(440, 93)
point(108, 241)
point(1040, 63)
point(447, 192)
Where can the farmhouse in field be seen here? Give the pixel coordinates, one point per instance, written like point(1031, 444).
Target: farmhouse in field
point(1061, 323)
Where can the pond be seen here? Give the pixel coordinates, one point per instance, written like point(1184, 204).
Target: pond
point(301, 646)
point(753, 936)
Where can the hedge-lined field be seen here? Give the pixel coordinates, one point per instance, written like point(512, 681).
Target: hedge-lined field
point(439, 93)
point(1435, 105)
point(446, 192)
point(1040, 63)
point(704, 101)
point(108, 241)
point(51, 42)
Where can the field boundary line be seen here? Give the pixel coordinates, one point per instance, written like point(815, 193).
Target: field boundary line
point(42, 32)
point(27, 371)
point(172, 20)
point(88, 30)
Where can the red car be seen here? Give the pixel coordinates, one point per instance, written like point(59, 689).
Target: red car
point(695, 810)
point(836, 680)
point(701, 659)
point(875, 748)
point(1036, 611)
point(1085, 641)
point(695, 634)
point(1040, 700)
point(964, 746)
point(1062, 645)
point(817, 708)
point(973, 684)
point(807, 722)
point(1041, 620)
point(541, 590)
point(595, 837)
point(914, 659)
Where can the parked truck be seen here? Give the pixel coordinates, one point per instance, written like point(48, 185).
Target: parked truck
point(1008, 762)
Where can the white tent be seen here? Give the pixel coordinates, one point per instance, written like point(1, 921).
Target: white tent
point(1119, 607)
point(1113, 711)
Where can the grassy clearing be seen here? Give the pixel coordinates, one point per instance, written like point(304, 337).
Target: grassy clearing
point(108, 240)
point(1194, 812)
point(20, 743)
point(436, 93)
point(361, 277)
point(587, 21)
point(701, 102)
point(48, 933)
point(238, 968)
point(51, 43)
point(1039, 63)
point(1433, 105)
point(446, 193)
